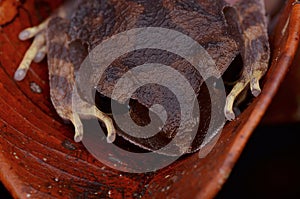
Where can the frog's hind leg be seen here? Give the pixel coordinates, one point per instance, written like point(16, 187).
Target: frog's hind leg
point(62, 68)
point(255, 50)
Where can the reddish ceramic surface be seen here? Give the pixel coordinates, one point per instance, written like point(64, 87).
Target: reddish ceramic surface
point(40, 160)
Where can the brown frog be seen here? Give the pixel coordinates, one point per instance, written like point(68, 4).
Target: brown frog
point(225, 28)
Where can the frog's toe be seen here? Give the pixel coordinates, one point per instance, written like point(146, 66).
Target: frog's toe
point(31, 32)
point(28, 33)
point(237, 89)
point(78, 127)
point(254, 83)
point(111, 132)
point(35, 52)
point(40, 55)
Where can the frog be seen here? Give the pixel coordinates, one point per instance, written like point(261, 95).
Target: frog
point(225, 28)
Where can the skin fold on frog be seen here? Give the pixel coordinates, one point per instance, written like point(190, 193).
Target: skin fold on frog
point(232, 28)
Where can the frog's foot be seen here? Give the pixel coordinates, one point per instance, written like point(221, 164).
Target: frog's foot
point(37, 50)
point(88, 111)
point(237, 89)
point(252, 78)
point(256, 58)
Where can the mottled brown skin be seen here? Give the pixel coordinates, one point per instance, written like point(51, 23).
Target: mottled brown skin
point(225, 28)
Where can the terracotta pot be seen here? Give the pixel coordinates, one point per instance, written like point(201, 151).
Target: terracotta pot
point(285, 107)
point(39, 158)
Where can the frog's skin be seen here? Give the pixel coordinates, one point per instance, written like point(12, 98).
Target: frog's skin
point(225, 28)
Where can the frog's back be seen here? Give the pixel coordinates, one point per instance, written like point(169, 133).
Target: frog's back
point(202, 20)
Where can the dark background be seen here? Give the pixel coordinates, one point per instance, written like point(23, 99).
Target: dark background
point(269, 166)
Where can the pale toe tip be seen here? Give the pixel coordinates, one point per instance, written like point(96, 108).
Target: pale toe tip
point(78, 138)
point(39, 57)
point(24, 35)
point(111, 138)
point(229, 115)
point(20, 74)
point(256, 92)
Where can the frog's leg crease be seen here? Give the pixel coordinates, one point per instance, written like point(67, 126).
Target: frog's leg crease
point(37, 50)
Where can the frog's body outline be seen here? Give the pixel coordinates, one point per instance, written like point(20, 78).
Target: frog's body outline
point(232, 27)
